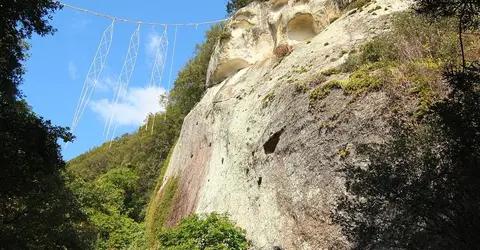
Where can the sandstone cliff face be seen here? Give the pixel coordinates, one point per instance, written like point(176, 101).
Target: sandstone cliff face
point(255, 146)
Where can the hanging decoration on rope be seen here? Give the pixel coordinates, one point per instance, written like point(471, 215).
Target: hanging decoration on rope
point(93, 74)
point(157, 73)
point(124, 79)
point(169, 77)
point(161, 53)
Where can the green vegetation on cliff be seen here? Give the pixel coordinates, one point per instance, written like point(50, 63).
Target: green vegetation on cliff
point(116, 182)
point(212, 231)
point(420, 190)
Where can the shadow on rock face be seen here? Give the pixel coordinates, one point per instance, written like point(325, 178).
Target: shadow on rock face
point(301, 27)
point(229, 68)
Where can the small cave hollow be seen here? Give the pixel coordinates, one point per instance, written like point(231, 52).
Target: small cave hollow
point(279, 4)
point(259, 182)
point(242, 24)
point(301, 27)
point(241, 20)
point(229, 68)
point(300, 2)
point(270, 146)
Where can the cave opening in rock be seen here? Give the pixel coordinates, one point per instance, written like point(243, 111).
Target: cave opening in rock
point(270, 146)
point(229, 68)
point(242, 24)
point(301, 27)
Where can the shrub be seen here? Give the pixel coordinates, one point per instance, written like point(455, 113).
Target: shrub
point(323, 90)
point(268, 99)
point(357, 4)
point(283, 50)
point(212, 231)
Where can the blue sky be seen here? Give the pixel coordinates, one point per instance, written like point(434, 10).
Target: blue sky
point(58, 64)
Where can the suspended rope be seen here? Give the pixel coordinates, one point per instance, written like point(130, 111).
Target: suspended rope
point(136, 22)
point(93, 74)
point(124, 79)
point(158, 65)
point(169, 78)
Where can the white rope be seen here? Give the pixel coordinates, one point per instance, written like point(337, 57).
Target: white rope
point(158, 67)
point(136, 22)
point(169, 78)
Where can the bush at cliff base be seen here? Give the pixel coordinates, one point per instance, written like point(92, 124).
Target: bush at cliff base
point(208, 231)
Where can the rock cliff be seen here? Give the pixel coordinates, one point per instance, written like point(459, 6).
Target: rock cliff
point(255, 146)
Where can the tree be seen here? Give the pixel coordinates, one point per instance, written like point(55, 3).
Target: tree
point(466, 12)
point(210, 231)
point(19, 20)
point(421, 190)
point(37, 210)
point(234, 5)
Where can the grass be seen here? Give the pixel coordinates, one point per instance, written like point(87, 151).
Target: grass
point(357, 4)
point(268, 99)
point(324, 90)
point(344, 152)
point(300, 88)
point(162, 208)
point(159, 207)
point(332, 71)
point(408, 61)
point(361, 81)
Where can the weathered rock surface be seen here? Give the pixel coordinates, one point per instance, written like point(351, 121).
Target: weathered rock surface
point(255, 147)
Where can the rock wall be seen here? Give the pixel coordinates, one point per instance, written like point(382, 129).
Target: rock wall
point(255, 146)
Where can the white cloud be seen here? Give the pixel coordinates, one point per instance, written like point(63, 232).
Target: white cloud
point(139, 102)
point(72, 70)
point(154, 42)
point(106, 84)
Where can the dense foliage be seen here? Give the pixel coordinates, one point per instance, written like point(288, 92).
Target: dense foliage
point(421, 189)
point(19, 20)
point(37, 210)
point(117, 206)
point(199, 232)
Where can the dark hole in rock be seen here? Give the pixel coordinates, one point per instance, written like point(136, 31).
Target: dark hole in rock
point(247, 171)
point(253, 153)
point(210, 144)
point(222, 160)
point(277, 248)
point(248, 129)
point(271, 144)
point(259, 182)
point(191, 156)
point(229, 68)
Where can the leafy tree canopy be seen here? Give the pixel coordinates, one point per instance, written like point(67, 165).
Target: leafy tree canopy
point(37, 210)
point(199, 232)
